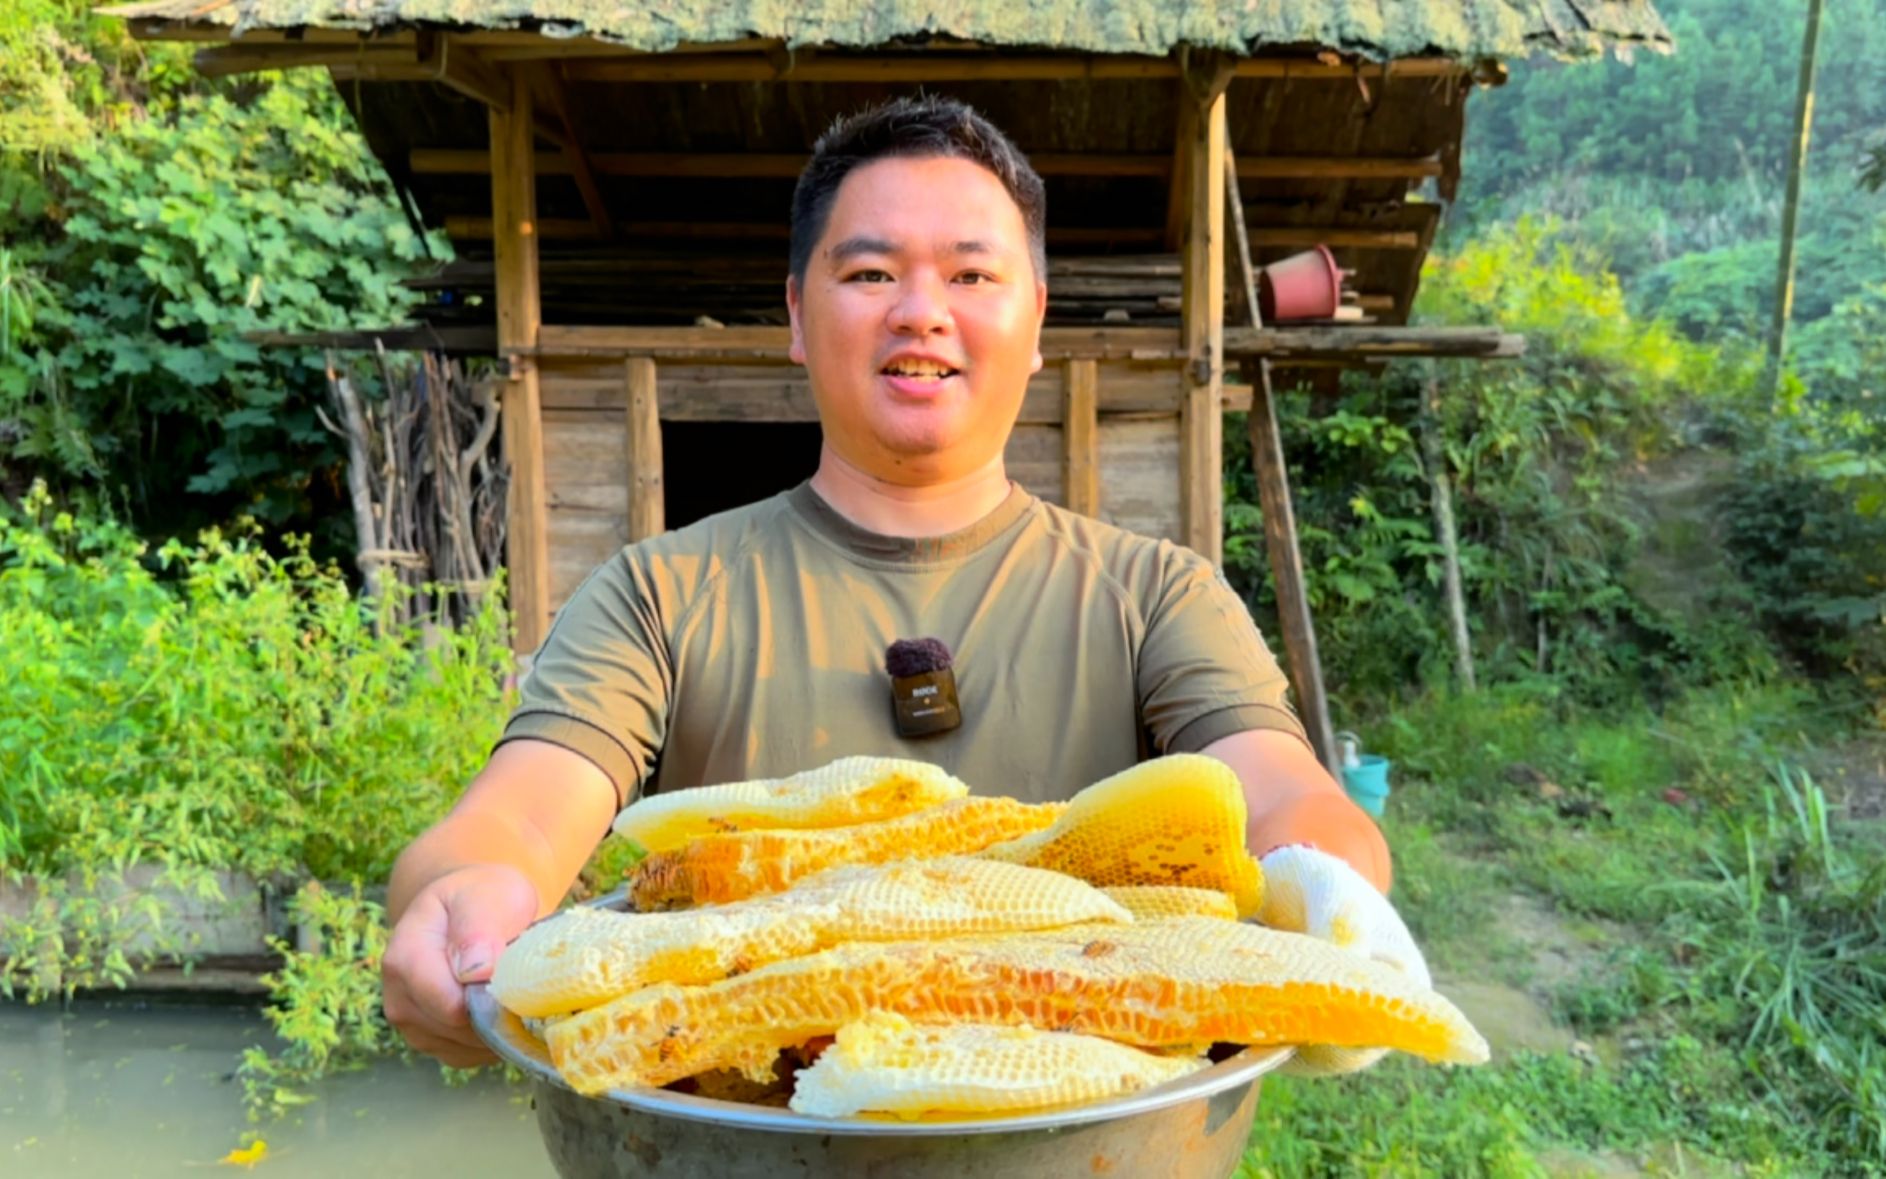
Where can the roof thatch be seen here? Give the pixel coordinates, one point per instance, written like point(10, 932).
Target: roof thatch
point(1376, 29)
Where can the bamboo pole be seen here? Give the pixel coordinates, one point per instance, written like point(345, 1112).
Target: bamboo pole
point(1441, 502)
point(1797, 164)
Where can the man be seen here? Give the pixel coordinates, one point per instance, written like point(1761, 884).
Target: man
point(751, 644)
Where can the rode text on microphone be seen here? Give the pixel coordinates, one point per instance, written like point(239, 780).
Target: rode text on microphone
point(923, 688)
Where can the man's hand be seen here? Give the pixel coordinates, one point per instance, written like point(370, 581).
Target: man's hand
point(1308, 891)
point(502, 858)
point(451, 935)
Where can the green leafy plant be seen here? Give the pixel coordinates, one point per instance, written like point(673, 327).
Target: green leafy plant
point(324, 1001)
point(213, 706)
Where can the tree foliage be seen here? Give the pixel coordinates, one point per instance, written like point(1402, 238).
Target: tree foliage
point(160, 218)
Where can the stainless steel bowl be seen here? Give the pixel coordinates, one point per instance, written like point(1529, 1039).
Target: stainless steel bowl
point(1191, 1128)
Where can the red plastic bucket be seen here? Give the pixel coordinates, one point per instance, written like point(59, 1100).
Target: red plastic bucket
point(1302, 286)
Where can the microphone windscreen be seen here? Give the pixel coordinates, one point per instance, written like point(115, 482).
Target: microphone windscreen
point(908, 657)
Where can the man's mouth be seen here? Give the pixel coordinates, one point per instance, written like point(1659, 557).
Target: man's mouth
point(918, 370)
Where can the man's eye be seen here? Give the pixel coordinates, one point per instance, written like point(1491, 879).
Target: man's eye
point(975, 277)
point(868, 276)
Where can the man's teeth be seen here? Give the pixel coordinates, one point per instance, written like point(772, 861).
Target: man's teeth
point(917, 369)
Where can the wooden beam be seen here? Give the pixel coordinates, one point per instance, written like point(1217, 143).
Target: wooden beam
point(222, 61)
point(574, 156)
point(967, 67)
point(1281, 344)
point(647, 499)
point(451, 63)
point(436, 161)
point(768, 345)
point(1355, 239)
point(1080, 437)
point(519, 307)
point(471, 228)
point(1202, 305)
point(1150, 345)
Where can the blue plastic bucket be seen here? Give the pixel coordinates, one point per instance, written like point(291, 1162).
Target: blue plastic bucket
point(1367, 783)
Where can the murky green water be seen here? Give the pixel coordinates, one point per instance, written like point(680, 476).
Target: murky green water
point(123, 1091)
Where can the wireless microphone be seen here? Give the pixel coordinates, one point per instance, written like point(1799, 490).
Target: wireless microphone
point(923, 688)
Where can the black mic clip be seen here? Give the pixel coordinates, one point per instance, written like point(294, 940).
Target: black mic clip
point(923, 687)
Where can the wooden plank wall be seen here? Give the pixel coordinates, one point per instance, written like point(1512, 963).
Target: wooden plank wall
point(588, 472)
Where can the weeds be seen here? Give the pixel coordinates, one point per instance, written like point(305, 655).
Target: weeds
point(1739, 974)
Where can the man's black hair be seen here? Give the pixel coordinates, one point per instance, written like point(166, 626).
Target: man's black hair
point(913, 128)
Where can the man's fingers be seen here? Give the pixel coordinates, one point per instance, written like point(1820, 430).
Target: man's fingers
point(479, 926)
point(423, 1001)
point(454, 1052)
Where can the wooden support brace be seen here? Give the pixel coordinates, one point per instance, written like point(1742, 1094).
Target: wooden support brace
point(1280, 522)
point(1286, 567)
point(1080, 437)
point(520, 312)
point(574, 155)
point(647, 498)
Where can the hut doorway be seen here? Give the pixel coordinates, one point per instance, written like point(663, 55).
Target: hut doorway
point(710, 467)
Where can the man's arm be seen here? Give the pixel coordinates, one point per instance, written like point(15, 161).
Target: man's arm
point(535, 806)
point(1291, 799)
point(505, 856)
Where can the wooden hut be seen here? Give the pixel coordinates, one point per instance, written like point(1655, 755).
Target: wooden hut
point(615, 178)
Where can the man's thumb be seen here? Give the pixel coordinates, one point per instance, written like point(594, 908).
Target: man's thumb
point(483, 920)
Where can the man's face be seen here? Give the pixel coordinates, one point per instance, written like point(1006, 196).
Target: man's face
point(919, 320)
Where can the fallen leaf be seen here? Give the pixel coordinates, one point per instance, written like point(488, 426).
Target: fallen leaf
point(247, 1156)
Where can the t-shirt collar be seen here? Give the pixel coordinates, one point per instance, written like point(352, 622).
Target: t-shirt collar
point(862, 542)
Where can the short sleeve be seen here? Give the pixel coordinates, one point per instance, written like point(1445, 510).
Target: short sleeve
point(1205, 673)
point(600, 684)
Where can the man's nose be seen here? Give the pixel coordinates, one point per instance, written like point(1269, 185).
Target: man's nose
point(922, 307)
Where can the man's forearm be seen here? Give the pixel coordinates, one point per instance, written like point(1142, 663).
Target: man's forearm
point(1328, 822)
point(535, 807)
point(466, 838)
point(1292, 799)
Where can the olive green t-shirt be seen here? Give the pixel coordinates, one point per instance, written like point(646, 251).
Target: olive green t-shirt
point(751, 645)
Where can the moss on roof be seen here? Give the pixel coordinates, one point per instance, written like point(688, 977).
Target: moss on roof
point(1371, 28)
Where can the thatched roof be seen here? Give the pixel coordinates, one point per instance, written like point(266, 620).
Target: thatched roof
point(1369, 28)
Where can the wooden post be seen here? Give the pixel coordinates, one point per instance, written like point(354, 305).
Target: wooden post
point(1202, 304)
point(520, 313)
point(646, 497)
point(1280, 521)
point(1080, 437)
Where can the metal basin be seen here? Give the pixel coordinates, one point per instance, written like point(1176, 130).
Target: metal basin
point(1191, 1128)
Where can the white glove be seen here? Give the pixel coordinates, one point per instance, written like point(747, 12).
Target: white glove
point(1312, 892)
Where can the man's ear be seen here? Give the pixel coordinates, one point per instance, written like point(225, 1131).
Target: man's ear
point(1041, 317)
point(797, 351)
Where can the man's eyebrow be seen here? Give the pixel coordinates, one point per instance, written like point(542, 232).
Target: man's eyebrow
point(851, 247)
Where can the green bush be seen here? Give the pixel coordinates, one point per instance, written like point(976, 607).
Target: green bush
point(1540, 452)
point(152, 218)
point(213, 706)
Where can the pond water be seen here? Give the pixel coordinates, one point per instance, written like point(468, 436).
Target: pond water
point(123, 1090)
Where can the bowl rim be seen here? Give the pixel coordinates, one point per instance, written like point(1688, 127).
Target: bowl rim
point(512, 1041)
point(507, 1035)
